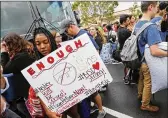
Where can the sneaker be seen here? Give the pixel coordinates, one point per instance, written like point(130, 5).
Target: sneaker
point(103, 89)
point(93, 110)
point(150, 108)
point(116, 62)
point(101, 114)
point(133, 83)
point(126, 82)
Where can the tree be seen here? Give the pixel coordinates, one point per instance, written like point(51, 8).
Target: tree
point(92, 11)
point(135, 10)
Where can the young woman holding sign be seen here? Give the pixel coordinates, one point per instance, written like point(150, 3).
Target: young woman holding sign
point(44, 44)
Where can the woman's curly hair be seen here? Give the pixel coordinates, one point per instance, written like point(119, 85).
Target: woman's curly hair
point(15, 43)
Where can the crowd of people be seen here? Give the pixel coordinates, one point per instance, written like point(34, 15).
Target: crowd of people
point(18, 53)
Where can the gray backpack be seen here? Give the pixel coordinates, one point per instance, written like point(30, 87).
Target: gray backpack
point(129, 53)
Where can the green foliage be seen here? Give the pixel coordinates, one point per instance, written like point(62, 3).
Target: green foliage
point(135, 10)
point(93, 11)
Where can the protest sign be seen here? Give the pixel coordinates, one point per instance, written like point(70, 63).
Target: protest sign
point(68, 75)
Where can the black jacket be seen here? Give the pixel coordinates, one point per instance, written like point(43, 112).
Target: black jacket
point(15, 66)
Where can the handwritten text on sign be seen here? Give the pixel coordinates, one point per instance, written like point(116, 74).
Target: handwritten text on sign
point(68, 75)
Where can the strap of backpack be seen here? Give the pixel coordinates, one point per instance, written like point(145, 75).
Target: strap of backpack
point(143, 28)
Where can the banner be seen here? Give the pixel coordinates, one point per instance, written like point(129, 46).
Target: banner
point(68, 75)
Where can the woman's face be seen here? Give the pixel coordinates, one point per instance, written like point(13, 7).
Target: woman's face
point(58, 38)
point(132, 19)
point(43, 45)
point(92, 31)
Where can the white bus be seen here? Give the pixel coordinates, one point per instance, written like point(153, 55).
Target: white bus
point(18, 16)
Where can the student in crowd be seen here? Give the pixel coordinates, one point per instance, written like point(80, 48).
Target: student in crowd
point(104, 28)
point(161, 10)
point(112, 38)
point(98, 37)
point(44, 44)
point(112, 35)
point(57, 37)
point(132, 22)
point(115, 26)
point(13, 53)
point(123, 33)
point(150, 36)
point(4, 82)
point(73, 30)
point(5, 112)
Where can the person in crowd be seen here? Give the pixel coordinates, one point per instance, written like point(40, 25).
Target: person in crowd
point(100, 40)
point(115, 26)
point(4, 82)
point(74, 31)
point(112, 35)
point(98, 37)
point(44, 44)
point(132, 22)
point(150, 36)
point(123, 33)
point(113, 39)
point(30, 48)
point(57, 37)
point(104, 28)
point(13, 52)
point(161, 11)
point(4, 110)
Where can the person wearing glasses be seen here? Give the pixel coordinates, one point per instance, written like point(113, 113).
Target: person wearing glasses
point(57, 37)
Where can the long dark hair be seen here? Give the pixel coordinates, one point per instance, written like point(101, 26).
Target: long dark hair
point(41, 30)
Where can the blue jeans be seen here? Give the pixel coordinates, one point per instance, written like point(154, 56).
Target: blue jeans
point(114, 47)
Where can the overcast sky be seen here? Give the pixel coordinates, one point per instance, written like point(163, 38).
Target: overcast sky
point(124, 5)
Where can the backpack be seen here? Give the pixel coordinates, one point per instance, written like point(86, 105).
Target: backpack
point(130, 53)
point(111, 37)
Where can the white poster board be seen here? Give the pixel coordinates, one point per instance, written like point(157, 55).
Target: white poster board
point(68, 75)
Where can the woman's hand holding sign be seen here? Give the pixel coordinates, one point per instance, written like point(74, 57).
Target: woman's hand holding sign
point(49, 113)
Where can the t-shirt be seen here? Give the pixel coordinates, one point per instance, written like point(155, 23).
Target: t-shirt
point(149, 36)
point(123, 33)
point(90, 36)
point(158, 20)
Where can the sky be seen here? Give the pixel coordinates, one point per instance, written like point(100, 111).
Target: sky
point(124, 5)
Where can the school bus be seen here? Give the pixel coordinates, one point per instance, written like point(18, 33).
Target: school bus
point(18, 16)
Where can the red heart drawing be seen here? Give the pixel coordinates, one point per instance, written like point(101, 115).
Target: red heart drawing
point(96, 66)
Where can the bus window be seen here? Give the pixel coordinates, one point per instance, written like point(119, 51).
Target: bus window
point(15, 17)
point(54, 11)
